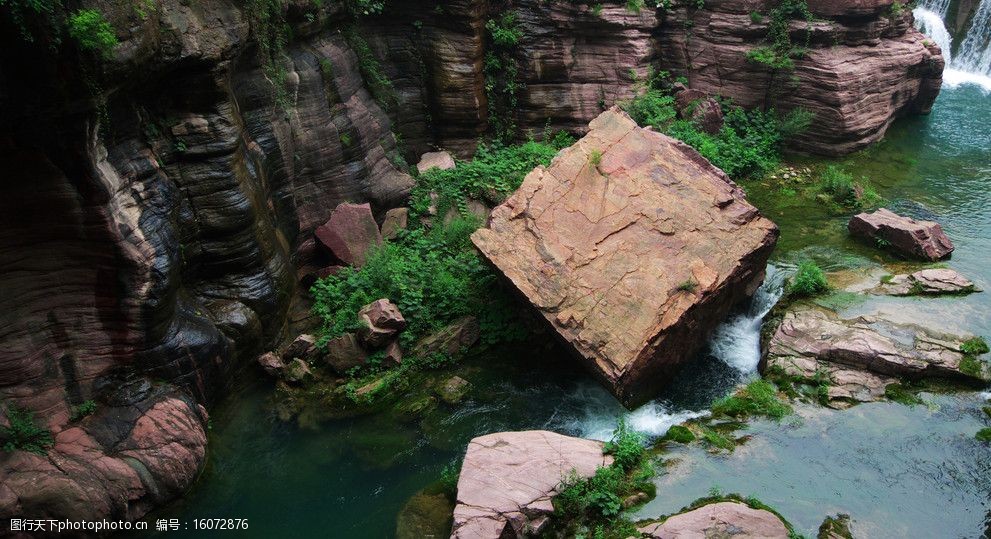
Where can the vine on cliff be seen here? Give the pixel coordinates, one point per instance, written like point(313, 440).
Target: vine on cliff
point(272, 33)
point(501, 71)
point(779, 52)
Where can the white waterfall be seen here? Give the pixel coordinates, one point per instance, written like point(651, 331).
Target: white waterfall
point(972, 62)
point(737, 341)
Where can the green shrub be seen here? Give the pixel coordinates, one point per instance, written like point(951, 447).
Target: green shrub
point(974, 347)
point(595, 158)
point(841, 187)
point(808, 281)
point(596, 503)
point(82, 410)
point(93, 32)
point(757, 398)
point(748, 145)
point(626, 446)
point(984, 435)
point(689, 285)
point(378, 83)
point(23, 433)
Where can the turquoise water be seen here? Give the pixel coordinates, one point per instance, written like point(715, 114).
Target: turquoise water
point(900, 471)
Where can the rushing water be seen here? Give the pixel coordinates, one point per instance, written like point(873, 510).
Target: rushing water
point(900, 471)
point(970, 63)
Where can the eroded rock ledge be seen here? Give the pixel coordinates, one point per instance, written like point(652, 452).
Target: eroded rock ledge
point(633, 247)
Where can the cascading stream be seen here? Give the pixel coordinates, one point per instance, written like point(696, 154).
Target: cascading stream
point(972, 62)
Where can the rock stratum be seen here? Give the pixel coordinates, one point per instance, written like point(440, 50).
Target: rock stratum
point(159, 205)
point(633, 247)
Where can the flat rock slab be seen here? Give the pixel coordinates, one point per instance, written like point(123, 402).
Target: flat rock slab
point(916, 239)
point(717, 520)
point(508, 479)
point(861, 357)
point(633, 247)
point(927, 282)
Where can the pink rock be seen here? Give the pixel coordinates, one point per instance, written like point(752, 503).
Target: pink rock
point(393, 354)
point(440, 160)
point(302, 347)
point(723, 519)
point(917, 239)
point(632, 262)
point(350, 233)
point(381, 323)
point(508, 479)
point(271, 364)
point(323, 273)
point(700, 107)
point(345, 353)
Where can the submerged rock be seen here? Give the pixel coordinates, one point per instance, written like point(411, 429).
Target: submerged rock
point(633, 247)
point(439, 160)
point(453, 390)
point(837, 527)
point(349, 233)
point(917, 239)
point(424, 515)
point(508, 479)
point(861, 357)
point(927, 282)
point(722, 519)
point(452, 340)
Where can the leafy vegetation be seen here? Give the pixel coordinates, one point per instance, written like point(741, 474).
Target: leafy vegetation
point(433, 273)
point(84, 409)
point(974, 346)
point(808, 281)
point(716, 439)
point(747, 146)
point(272, 34)
point(902, 394)
point(92, 32)
point(757, 398)
point(501, 71)
point(24, 434)
point(778, 52)
point(984, 435)
point(844, 190)
point(594, 506)
point(378, 83)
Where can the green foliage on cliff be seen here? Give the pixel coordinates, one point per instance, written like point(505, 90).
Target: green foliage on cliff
point(501, 70)
point(779, 52)
point(24, 434)
point(747, 146)
point(593, 507)
point(378, 83)
point(92, 32)
point(974, 346)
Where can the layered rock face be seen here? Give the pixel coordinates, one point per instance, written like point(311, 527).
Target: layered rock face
point(508, 479)
point(147, 252)
point(865, 66)
point(633, 247)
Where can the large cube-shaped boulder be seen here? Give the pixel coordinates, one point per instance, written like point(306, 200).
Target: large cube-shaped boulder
point(633, 247)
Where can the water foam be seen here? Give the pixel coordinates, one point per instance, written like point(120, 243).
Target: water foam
point(736, 342)
point(972, 64)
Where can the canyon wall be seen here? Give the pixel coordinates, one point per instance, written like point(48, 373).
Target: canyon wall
point(158, 205)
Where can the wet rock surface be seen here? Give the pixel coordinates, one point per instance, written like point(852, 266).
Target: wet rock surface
point(633, 259)
point(722, 519)
point(927, 282)
point(860, 358)
point(508, 479)
point(908, 237)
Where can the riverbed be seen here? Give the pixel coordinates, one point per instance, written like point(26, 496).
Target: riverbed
point(898, 470)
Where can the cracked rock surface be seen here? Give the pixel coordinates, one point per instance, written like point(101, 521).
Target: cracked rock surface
point(633, 247)
point(508, 479)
